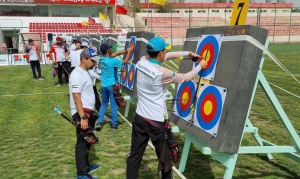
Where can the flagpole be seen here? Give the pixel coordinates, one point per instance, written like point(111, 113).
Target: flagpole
point(148, 9)
point(98, 25)
point(151, 18)
point(148, 15)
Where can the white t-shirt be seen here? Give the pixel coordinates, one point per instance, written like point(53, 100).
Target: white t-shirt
point(32, 51)
point(73, 55)
point(59, 52)
point(152, 80)
point(77, 57)
point(95, 73)
point(81, 82)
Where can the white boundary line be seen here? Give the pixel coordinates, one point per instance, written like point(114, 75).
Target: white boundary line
point(32, 94)
point(284, 90)
point(151, 145)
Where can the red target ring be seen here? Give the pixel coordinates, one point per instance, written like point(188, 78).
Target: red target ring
point(131, 75)
point(208, 107)
point(124, 73)
point(185, 95)
point(184, 102)
point(208, 53)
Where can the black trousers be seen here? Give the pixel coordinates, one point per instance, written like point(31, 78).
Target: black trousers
point(98, 102)
point(35, 65)
point(82, 149)
point(63, 69)
point(142, 130)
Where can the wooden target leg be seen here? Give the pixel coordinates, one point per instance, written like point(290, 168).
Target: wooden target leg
point(254, 131)
point(128, 100)
point(185, 152)
point(230, 166)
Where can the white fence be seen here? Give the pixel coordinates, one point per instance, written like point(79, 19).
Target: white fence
point(20, 59)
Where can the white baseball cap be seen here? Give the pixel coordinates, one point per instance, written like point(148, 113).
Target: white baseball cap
point(84, 44)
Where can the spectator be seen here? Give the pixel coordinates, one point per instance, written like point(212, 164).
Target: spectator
point(75, 61)
point(58, 54)
point(33, 56)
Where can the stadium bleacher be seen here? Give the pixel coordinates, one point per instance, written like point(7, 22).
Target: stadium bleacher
point(64, 27)
point(284, 25)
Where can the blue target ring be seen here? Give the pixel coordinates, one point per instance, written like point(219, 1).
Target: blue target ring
point(132, 42)
point(183, 108)
point(124, 74)
point(210, 90)
point(130, 76)
point(211, 44)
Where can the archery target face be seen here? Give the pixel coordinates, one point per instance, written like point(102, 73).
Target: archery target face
point(208, 48)
point(131, 75)
point(209, 107)
point(184, 98)
point(124, 73)
point(132, 42)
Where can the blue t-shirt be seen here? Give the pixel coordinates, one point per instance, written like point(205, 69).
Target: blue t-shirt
point(108, 65)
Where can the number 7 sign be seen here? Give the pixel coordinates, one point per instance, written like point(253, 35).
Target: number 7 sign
point(239, 12)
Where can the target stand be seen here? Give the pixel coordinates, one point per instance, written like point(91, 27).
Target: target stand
point(139, 41)
point(228, 155)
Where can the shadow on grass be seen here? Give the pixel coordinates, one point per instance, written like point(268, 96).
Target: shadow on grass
point(93, 155)
point(272, 173)
point(147, 171)
point(198, 165)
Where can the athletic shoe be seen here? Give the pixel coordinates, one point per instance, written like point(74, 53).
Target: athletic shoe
point(40, 78)
point(114, 127)
point(59, 85)
point(106, 119)
point(85, 177)
point(98, 127)
point(92, 168)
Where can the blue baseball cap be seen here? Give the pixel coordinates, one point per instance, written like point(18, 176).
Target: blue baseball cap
point(90, 53)
point(104, 47)
point(157, 44)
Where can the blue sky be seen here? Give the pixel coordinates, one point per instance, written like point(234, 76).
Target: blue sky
point(296, 2)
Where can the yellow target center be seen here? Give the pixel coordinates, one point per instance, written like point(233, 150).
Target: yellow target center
point(185, 98)
point(208, 107)
point(206, 55)
point(130, 77)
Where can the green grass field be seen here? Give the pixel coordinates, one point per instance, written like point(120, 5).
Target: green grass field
point(37, 143)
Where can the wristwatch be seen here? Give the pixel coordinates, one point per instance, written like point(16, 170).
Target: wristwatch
point(84, 117)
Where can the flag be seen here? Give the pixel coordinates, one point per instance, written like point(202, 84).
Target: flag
point(85, 23)
point(91, 20)
point(75, 86)
point(121, 10)
point(160, 2)
point(102, 16)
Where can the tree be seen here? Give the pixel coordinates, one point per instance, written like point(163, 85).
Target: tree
point(296, 10)
point(167, 8)
point(132, 6)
